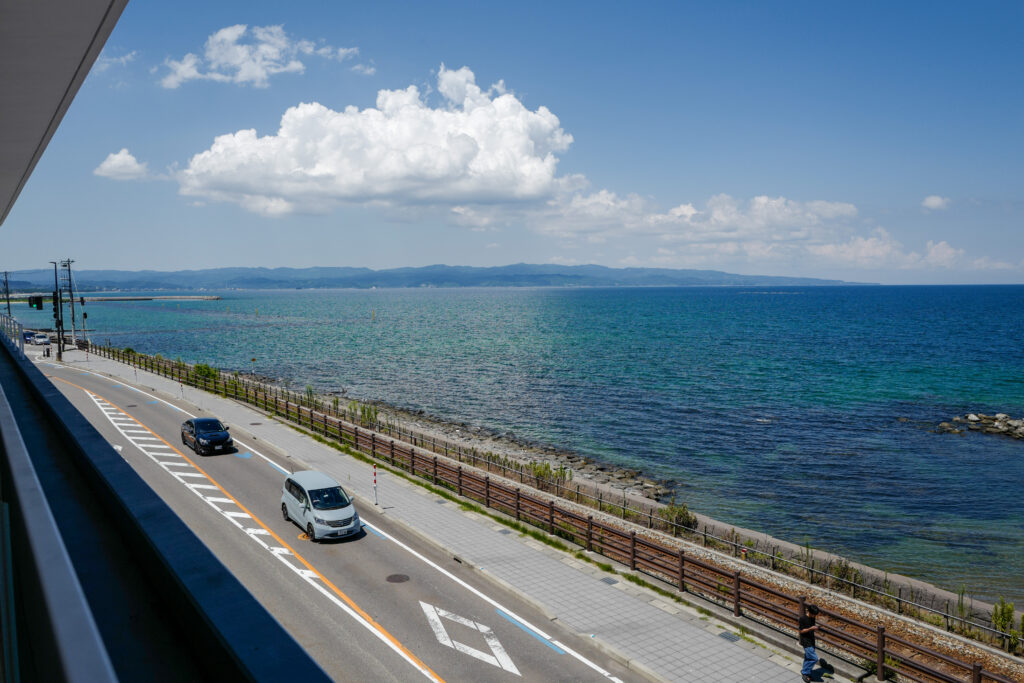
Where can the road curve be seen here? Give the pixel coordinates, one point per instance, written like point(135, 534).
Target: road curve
point(385, 604)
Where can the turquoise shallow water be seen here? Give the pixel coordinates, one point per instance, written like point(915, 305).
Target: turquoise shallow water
point(774, 409)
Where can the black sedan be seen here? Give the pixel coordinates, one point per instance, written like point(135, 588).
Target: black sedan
point(206, 435)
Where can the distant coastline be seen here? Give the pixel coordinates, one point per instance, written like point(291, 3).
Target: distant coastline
point(440, 276)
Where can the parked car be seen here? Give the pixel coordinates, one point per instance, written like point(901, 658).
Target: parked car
point(319, 505)
point(41, 339)
point(206, 435)
point(27, 335)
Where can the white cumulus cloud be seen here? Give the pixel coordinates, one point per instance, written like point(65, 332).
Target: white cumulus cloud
point(881, 250)
point(236, 54)
point(105, 61)
point(934, 202)
point(723, 219)
point(478, 147)
point(121, 166)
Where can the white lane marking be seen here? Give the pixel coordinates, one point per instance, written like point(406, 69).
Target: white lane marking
point(487, 599)
point(498, 657)
point(493, 602)
point(311, 578)
point(214, 499)
point(182, 410)
point(174, 464)
point(274, 465)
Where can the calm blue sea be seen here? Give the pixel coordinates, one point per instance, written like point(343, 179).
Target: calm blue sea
point(773, 409)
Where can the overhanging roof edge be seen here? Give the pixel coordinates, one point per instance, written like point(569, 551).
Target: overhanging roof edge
point(99, 39)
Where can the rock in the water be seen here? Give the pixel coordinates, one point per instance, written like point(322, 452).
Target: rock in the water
point(1000, 423)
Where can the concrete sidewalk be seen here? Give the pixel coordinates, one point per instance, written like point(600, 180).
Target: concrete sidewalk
point(653, 635)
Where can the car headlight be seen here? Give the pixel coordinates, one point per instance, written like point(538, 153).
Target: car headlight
point(229, 442)
point(203, 441)
point(320, 521)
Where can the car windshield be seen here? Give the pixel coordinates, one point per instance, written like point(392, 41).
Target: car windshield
point(329, 499)
point(207, 425)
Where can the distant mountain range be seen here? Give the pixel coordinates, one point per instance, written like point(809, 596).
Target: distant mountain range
point(518, 275)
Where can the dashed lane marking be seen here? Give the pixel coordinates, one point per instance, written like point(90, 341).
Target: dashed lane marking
point(282, 552)
point(539, 634)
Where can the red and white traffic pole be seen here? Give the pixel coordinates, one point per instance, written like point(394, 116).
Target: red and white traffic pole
point(375, 483)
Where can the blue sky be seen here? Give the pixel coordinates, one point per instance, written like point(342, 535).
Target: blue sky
point(865, 141)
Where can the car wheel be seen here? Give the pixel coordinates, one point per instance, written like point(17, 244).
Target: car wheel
point(284, 512)
point(310, 533)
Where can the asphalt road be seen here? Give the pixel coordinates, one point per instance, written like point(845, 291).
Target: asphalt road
point(384, 605)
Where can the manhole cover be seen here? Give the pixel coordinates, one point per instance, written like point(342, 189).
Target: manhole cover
point(440, 502)
point(505, 531)
point(255, 424)
point(610, 581)
point(731, 637)
point(398, 578)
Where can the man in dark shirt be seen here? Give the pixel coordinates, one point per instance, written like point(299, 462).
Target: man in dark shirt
point(807, 628)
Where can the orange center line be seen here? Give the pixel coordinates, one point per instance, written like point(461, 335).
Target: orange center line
point(327, 582)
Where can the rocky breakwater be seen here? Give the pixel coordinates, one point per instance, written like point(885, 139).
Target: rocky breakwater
point(1000, 423)
point(602, 476)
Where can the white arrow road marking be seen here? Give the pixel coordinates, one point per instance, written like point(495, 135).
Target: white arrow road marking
point(499, 658)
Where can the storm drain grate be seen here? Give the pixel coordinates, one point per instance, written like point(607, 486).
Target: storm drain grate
point(610, 581)
point(255, 424)
point(731, 637)
point(504, 531)
point(131, 405)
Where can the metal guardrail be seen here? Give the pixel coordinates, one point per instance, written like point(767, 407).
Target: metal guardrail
point(747, 597)
point(14, 332)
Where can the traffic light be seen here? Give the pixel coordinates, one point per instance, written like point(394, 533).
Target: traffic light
point(35, 302)
point(56, 303)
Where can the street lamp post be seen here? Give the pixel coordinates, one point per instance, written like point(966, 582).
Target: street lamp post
point(58, 313)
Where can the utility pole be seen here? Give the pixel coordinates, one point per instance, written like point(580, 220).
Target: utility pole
point(58, 313)
point(7, 295)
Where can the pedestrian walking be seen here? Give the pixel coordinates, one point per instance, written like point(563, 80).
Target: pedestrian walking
point(807, 628)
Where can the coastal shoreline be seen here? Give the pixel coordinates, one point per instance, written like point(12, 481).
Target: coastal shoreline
point(618, 480)
point(632, 488)
point(440, 436)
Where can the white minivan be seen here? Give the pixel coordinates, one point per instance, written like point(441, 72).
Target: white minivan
point(319, 505)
